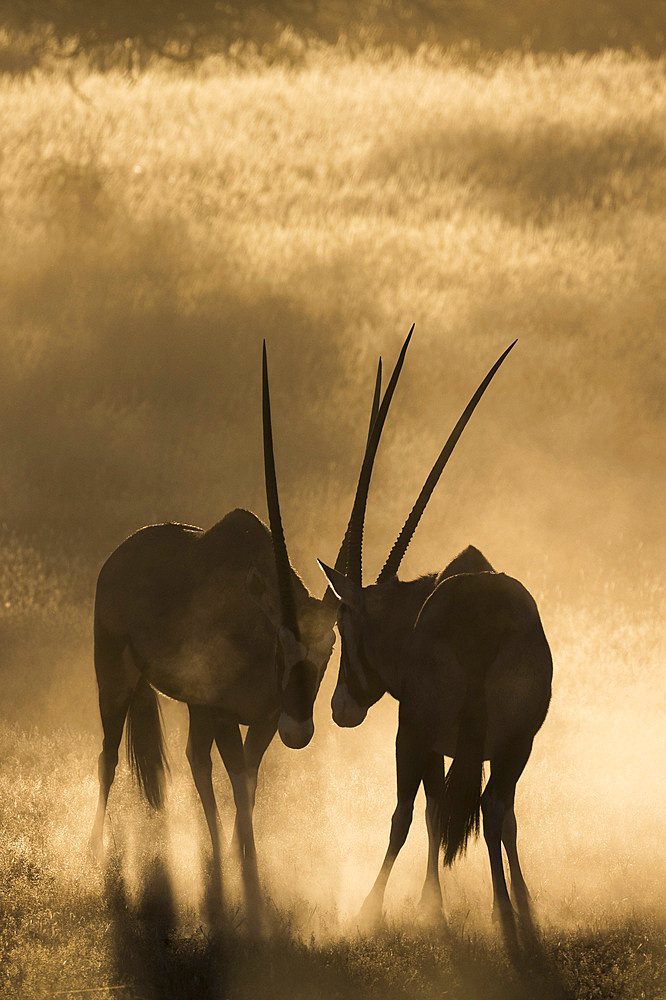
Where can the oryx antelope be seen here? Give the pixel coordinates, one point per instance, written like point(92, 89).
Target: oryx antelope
point(465, 654)
point(217, 619)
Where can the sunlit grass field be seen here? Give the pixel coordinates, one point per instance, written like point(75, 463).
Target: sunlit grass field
point(155, 229)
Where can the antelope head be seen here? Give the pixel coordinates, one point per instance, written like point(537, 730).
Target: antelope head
point(305, 636)
point(359, 686)
point(302, 651)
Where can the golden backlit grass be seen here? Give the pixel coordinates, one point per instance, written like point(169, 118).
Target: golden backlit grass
point(590, 812)
point(590, 816)
point(156, 229)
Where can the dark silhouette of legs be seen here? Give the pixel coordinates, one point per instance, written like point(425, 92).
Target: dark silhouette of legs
point(433, 784)
point(199, 743)
point(117, 678)
point(410, 764)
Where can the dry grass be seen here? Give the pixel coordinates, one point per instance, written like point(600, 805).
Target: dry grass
point(589, 806)
point(141, 930)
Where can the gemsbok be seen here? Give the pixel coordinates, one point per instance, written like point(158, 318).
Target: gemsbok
point(465, 655)
point(220, 620)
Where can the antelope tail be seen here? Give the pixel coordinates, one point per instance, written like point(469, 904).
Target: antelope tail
point(461, 805)
point(146, 752)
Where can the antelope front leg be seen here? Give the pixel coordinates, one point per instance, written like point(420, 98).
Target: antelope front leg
point(230, 744)
point(410, 763)
point(257, 741)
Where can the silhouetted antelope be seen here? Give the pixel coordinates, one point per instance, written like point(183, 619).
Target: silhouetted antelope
point(465, 654)
point(217, 619)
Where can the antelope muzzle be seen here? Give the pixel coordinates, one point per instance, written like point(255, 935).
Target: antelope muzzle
point(295, 734)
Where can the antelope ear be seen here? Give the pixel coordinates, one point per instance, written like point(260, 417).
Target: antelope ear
point(258, 590)
point(345, 589)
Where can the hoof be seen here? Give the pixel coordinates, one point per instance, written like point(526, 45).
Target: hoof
point(95, 850)
point(521, 900)
point(503, 914)
point(430, 907)
point(257, 923)
point(233, 854)
point(506, 918)
point(528, 929)
point(521, 903)
point(370, 916)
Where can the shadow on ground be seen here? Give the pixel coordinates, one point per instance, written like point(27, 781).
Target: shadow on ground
point(152, 957)
point(156, 958)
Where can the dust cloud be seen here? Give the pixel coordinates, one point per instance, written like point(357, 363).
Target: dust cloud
point(131, 395)
point(589, 805)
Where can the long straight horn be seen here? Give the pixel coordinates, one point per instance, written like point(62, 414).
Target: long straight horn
point(405, 536)
point(375, 400)
point(354, 560)
point(341, 561)
point(282, 566)
point(330, 598)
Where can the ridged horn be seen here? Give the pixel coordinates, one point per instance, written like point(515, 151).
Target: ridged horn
point(330, 599)
point(355, 545)
point(282, 566)
point(404, 538)
point(341, 561)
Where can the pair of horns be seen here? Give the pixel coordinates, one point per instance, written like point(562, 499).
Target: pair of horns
point(350, 553)
point(355, 531)
point(282, 565)
point(330, 598)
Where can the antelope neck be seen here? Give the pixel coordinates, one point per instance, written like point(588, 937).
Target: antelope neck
point(391, 609)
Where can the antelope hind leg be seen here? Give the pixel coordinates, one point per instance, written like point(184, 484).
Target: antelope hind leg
point(433, 783)
point(519, 892)
point(493, 816)
point(116, 680)
point(199, 743)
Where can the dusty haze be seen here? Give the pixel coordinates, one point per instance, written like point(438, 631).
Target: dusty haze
point(155, 232)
